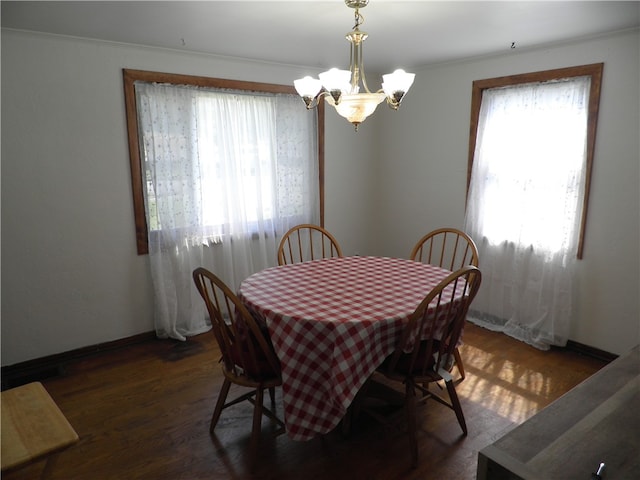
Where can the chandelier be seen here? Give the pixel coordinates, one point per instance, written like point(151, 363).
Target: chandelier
point(342, 88)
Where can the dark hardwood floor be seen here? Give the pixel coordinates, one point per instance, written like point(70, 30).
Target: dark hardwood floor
point(143, 413)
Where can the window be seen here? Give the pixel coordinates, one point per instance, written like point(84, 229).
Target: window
point(530, 161)
point(536, 147)
point(179, 146)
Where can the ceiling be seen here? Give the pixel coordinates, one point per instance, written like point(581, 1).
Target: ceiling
point(311, 33)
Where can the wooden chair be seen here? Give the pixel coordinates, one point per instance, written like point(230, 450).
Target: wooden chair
point(248, 358)
point(307, 242)
point(448, 248)
point(418, 363)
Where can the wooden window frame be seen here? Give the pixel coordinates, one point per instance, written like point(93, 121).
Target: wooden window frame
point(135, 160)
point(593, 70)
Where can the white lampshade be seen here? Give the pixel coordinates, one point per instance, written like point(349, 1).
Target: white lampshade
point(335, 79)
point(307, 86)
point(398, 81)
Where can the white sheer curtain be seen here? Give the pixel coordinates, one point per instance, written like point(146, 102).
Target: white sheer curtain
point(227, 174)
point(524, 207)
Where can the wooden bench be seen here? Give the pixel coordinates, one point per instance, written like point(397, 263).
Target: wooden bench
point(597, 421)
point(33, 428)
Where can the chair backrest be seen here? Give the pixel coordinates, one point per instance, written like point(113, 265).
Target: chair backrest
point(244, 345)
point(433, 330)
point(307, 242)
point(448, 248)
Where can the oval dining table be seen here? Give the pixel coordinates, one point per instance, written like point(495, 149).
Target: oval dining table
point(332, 322)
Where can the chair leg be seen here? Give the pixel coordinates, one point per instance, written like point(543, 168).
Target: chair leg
point(222, 397)
point(272, 396)
point(257, 427)
point(458, 358)
point(455, 402)
point(410, 402)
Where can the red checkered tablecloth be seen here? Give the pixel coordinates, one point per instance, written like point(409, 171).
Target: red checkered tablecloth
point(332, 322)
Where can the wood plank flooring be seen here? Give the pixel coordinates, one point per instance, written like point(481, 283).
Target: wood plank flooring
point(143, 413)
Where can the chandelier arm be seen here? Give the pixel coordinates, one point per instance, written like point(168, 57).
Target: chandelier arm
point(336, 95)
point(312, 102)
point(364, 77)
point(393, 103)
point(356, 60)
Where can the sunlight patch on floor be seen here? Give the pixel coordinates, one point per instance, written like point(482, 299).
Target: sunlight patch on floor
point(511, 390)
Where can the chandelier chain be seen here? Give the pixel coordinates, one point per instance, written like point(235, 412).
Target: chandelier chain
point(359, 18)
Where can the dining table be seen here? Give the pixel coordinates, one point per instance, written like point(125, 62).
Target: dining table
point(332, 322)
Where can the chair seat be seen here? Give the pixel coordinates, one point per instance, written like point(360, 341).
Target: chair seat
point(239, 377)
point(258, 372)
point(256, 364)
point(422, 362)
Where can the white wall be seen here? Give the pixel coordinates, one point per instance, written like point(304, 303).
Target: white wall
point(71, 276)
point(70, 273)
point(423, 174)
point(350, 181)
